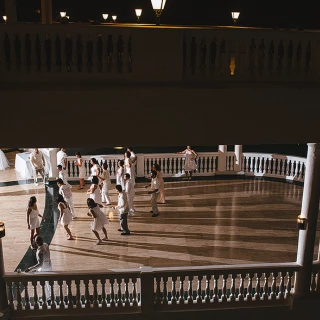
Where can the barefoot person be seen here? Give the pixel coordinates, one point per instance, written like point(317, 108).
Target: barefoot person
point(33, 220)
point(65, 215)
point(82, 170)
point(99, 220)
point(106, 184)
point(190, 161)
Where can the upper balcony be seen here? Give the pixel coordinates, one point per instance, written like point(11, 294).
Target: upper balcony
point(147, 53)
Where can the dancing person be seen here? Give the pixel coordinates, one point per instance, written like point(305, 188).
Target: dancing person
point(82, 170)
point(106, 184)
point(33, 220)
point(38, 163)
point(96, 170)
point(65, 215)
point(123, 210)
point(43, 263)
point(190, 161)
point(94, 191)
point(155, 186)
point(127, 162)
point(161, 196)
point(65, 191)
point(62, 158)
point(99, 219)
point(62, 174)
point(120, 174)
point(4, 163)
point(133, 159)
point(129, 189)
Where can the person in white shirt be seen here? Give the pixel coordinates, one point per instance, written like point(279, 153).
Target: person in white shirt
point(129, 188)
point(38, 163)
point(105, 177)
point(123, 210)
point(65, 191)
point(133, 159)
point(62, 174)
point(155, 186)
point(62, 158)
point(44, 263)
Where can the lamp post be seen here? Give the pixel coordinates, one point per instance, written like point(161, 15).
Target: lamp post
point(3, 291)
point(235, 15)
point(105, 16)
point(114, 18)
point(158, 6)
point(138, 14)
point(4, 18)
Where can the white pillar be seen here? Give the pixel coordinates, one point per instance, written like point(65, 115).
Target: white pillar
point(222, 157)
point(53, 172)
point(140, 165)
point(46, 11)
point(3, 290)
point(309, 210)
point(238, 155)
point(11, 11)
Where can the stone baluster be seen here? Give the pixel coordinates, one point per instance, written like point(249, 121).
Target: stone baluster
point(256, 60)
point(112, 294)
point(69, 294)
point(215, 288)
point(303, 58)
point(134, 292)
point(199, 290)
point(103, 293)
point(164, 299)
point(224, 287)
point(26, 296)
point(33, 67)
point(35, 295)
point(190, 293)
point(232, 296)
point(249, 288)
point(257, 293)
point(207, 291)
point(44, 296)
point(53, 300)
point(273, 294)
point(95, 301)
point(174, 290)
point(125, 54)
point(289, 284)
point(119, 293)
point(61, 296)
point(274, 71)
point(158, 291)
point(313, 281)
point(18, 291)
point(281, 287)
point(265, 58)
point(226, 69)
point(241, 287)
point(218, 61)
point(87, 302)
point(284, 71)
point(42, 38)
point(265, 294)
point(181, 290)
point(10, 294)
point(126, 292)
point(78, 294)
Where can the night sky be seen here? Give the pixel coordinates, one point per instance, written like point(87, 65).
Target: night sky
point(274, 14)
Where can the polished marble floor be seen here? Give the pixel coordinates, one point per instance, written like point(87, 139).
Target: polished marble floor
point(205, 222)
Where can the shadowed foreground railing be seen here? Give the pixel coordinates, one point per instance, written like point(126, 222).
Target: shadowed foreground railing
point(152, 289)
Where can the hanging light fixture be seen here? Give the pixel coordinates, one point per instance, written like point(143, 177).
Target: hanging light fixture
point(4, 18)
point(158, 6)
point(63, 14)
point(138, 14)
point(114, 18)
point(235, 15)
point(105, 16)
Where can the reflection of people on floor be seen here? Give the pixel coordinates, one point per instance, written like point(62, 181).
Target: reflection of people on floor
point(33, 220)
point(38, 163)
point(99, 219)
point(4, 163)
point(44, 263)
point(190, 161)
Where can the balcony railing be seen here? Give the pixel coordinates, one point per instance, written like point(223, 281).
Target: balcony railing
point(252, 164)
point(86, 51)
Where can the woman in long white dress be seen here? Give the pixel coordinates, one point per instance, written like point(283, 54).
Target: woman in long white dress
point(4, 163)
point(99, 220)
point(94, 191)
point(82, 170)
point(120, 174)
point(105, 177)
point(161, 196)
point(33, 221)
point(128, 163)
point(65, 215)
point(190, 161)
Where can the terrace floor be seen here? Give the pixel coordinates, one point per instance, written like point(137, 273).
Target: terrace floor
point(204, 222)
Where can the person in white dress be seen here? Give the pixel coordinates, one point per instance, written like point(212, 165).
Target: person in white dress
point(99, 220)
point(38, 163)
point(127, 162)
point(120, 174)
point(190, 161)
point(106, 184)
point(4, 163)
point(161, 196)
point(94, 191)
point(65, 215)
point(62, 158)
point(62, 174)
point(33, 221)
point(133, 159)
point(129, 189)
point(65, 191)
point(82, 170)
point(95, 170)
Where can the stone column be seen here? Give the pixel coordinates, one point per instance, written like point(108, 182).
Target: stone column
point(222, 156)
point(11, 11)
point(309, 210)
point(140, 165)
point(238, 155)
point(53, 173)
point(3, 291)
point(46, 11)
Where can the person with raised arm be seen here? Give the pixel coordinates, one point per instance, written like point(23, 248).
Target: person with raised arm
point(190, 161)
